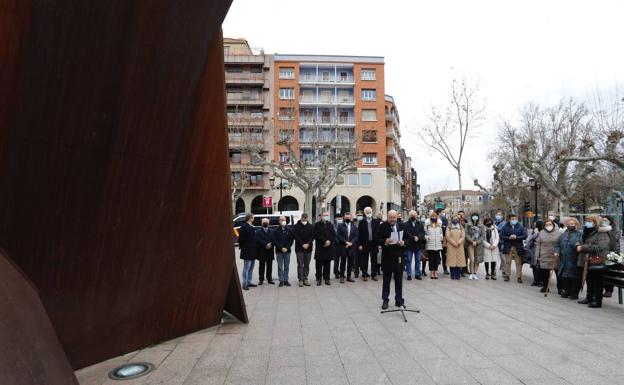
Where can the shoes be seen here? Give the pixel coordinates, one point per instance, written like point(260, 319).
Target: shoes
point(446, 272)
point(475, 277)
point(281, 284)
point(306, 283)
point(564, 295)
point(519, 280)
point(286, 283)
point(493, 277)
point(584, 301)
point(349, 279)
point(384, 305)
point(543, 290)
point(487, 276)
point(252, 285)
point(245, 288)
point(364, 278)
point(573, 297)
point(337, 275)
point(374, 278)
point(399, 303)
point(506, 279)
point(595, 305)
point(260, 283)
point(327, 282)
point(436, 277)
point(342, 280)
point(535, 283)
point(423, 273)
point(409, 277)
point(432, 277)
point(318, 282)
point(608, 294)
point(470, 277)
point(271, 282)
point(300, 283)
point(419, 278)
point(463, 275)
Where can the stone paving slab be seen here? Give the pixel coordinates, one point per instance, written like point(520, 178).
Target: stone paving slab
point(468, 332)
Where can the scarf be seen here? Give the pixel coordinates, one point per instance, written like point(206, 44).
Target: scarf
point(488, 234)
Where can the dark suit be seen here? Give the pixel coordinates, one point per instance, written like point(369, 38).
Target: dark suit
point(323, 231)
point(347, 232)
point(414, 248)
point(247, 245)
point(392, 262)
point(265, 256)
point(367, 239)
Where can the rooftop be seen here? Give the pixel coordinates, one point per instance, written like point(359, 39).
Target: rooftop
point(330, 58)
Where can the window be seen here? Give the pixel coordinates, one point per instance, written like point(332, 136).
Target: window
point(285, 134)
point(370, 158)
point(256, 70)
point(343, 76)
point(287, 93)
point(366, 179)
point(255, 179)
point(287, 73)
point(369, 115)
point(352, 179)
point(369, 74)
point(344, 96)
point(307, 75)
point(286, 113)
point(283, 157)
point(307, 95)
point(325, 117)
point(344, 117)
point(325, 76)
point(235, 157)
point(369, 136)
point(369, 94)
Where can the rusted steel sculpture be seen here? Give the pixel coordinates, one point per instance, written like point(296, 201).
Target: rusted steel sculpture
point(114, 174)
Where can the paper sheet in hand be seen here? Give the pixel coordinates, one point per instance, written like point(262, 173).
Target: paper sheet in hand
point(395, 237)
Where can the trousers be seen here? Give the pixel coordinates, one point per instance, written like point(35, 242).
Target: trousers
point(513, 256)
point(265, 266)
point(303, 264)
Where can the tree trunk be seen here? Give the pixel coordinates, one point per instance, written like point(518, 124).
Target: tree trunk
point(460, 186)
point(564, 207)
point(307, 205)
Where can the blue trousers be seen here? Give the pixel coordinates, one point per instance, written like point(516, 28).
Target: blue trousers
point(283, 262)
point(413, 255)
point(248, 271)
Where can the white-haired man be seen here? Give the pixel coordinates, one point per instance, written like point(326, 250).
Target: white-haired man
point(391, 238)
point(367, 244)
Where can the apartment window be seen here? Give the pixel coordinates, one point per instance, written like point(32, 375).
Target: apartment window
point(287, 73)
point(286, 93)
point(235, 157)
point(344, 76)
point(369, 74)
point(307, 95)
point(325, 117)
point(370, 158)
point(369, 136)
point(285, 134)
point(286, 113)
point(325, 76)
point(366, 179)
point(369, 115)
point(307, 75)
point(344, 117)
point(344, 96)
point(352, 179)
point(369, 94)
point(255, 179)
point(256, 70)
point(283, 157)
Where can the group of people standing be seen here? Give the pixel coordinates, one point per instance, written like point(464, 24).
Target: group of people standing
point(369, 247)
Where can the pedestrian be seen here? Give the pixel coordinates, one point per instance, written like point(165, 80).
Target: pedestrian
point(247, 246)
point(568, 270)
point(283, 239)
point(434, 237)
point(513, 235)
point(367, 244)
point(546, 248)
point(346, 249)
point(455, 239)
point(490, 248)
point(337, 221)
point(324, 238)
point(357, 267)
point(614, 245)
point(475, 233)
point(265, 252)
point(303, 232)
point(500, 222)
point(443, 219)
point(593, 251)
point(391, 238)
point(532, 254)
point(414, 242)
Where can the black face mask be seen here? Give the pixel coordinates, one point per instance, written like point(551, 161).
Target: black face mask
point(488, 224)
point(571, 227)
point(434, 219)
point(265, 225)
point(413, 219)
point(347, 220)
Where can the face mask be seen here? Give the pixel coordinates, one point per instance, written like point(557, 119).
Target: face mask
point(434, 219)
point(514, 222)
point(455, 221)
point(283, 223)
point(474, 219)
point(606, 222)
point(551, 217)
point(348, 220)
point(498, 218)
point(589, 225)
point(369, 216)
point(265, 225)
point(304, 222)
point(359, 217)
point(549, 228)
point(443, 215)
point(326, 217)
point(571, 227)
point(413, 218)
point(339, 221)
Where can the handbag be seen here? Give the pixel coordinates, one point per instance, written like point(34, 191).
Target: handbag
point(596, 260)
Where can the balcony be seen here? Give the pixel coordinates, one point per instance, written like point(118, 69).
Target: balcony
point(244, 78)
point(309, 141)
point(333, 80)
point(235, 119)
point(244, 100)
point(392, 134)
point(390, 117)
point(237, 140)
point(339, 101)
point(343, 121)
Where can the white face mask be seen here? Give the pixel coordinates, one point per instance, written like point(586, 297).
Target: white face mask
point(339, 221)
point(551, 217)
point(359, 217)
point(606, 222)
point(369, 216)
point(549, 228)
point(283, 223)
point(304, 222)
point(326, 217)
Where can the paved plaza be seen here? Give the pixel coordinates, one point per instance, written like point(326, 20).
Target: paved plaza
point(468, 332)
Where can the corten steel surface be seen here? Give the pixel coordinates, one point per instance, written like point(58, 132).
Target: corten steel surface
point(114, 174)
point(30, 353)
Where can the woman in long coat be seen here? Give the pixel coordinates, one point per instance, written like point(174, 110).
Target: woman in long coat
point(546, 247)
point(595, 242)
point(455, 256)
point(491, 254)
point(568, 270)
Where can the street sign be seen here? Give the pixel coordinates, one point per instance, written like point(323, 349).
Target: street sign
point(267, 201)
point(530, 214)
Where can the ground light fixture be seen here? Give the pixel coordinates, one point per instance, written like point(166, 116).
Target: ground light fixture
point(131, 371)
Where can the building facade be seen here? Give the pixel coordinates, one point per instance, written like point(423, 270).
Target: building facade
point(474, 201)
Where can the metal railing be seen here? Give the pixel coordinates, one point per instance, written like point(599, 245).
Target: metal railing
point(233, 98)
point(244, 77)
point(331, 79)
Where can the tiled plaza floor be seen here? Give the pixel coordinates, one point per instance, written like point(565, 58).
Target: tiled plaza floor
point(468, 332)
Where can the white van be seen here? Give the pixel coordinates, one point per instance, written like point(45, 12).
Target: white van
point(291, 218)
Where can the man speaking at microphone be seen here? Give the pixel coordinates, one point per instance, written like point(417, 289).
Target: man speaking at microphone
point(390, 237)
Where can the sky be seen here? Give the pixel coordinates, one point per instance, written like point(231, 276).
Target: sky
point(518, 52)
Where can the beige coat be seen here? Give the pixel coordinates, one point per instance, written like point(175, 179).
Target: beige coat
point(546, 246)
point(455, 256)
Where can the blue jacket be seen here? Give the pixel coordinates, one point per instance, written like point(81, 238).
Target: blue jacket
point(283, 237)
point(568, 256)
point(520, 232)
point(343, 238)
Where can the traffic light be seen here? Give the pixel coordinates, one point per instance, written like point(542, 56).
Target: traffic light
point(527, 206)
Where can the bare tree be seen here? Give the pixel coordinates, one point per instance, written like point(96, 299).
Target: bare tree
point(451, 125)
point(315, 161)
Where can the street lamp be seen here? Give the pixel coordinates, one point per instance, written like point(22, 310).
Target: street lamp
point(536, 186)
point(281, 187)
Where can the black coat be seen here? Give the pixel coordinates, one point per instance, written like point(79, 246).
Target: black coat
point(412, 230)
point(303, 234)
point(392, 256)
point(343, 236)
point(247, 242)
point(283, 238)
point(363, 236)
point(324, 231)
point(262, 239)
